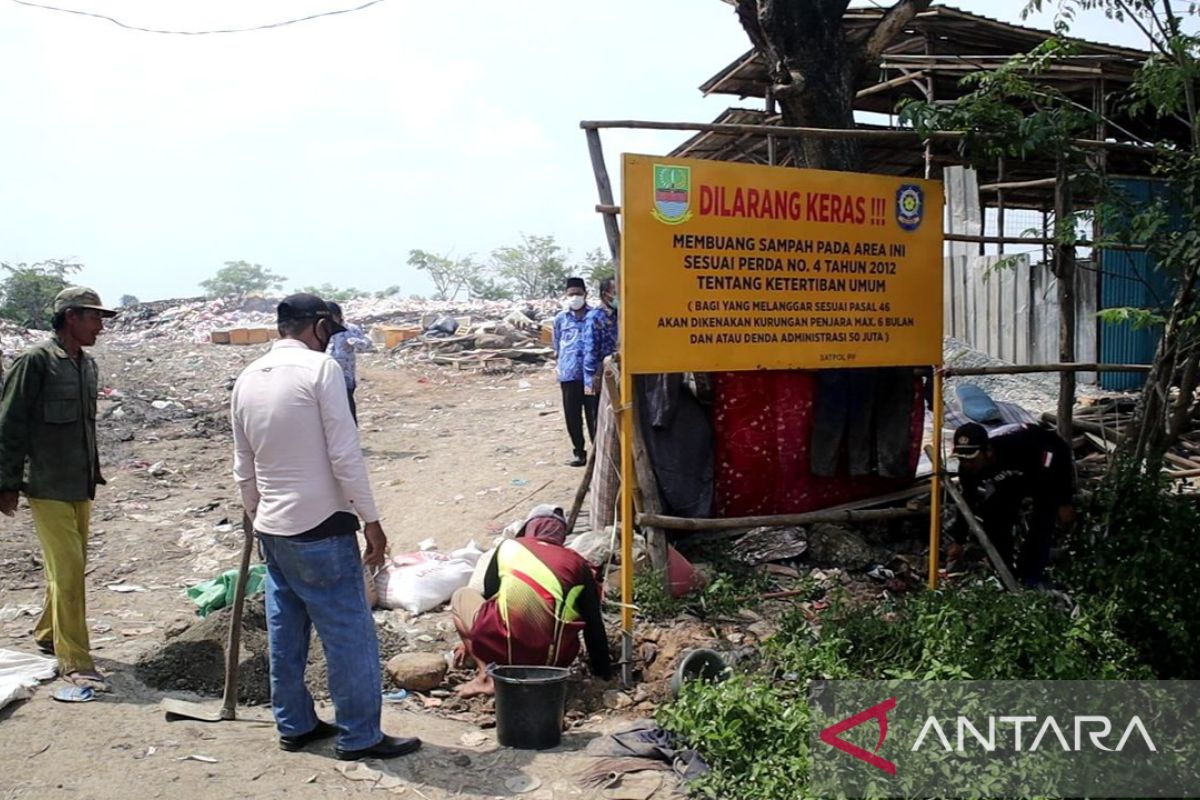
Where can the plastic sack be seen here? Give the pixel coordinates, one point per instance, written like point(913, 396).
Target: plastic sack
point(418, 582)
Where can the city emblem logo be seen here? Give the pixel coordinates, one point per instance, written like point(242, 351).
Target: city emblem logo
point(672, 194)
point(910, 205)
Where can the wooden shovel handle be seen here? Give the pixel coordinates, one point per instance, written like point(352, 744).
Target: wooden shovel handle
point(233, 648)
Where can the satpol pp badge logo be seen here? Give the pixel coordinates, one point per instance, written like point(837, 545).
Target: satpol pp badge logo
point(910, 205)
point(672, 194)
point(832, 735)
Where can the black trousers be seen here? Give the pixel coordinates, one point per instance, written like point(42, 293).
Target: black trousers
point(353, 407)
point(578, 408)
point(1001, 513)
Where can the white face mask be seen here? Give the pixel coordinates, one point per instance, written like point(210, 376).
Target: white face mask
point(574, 302)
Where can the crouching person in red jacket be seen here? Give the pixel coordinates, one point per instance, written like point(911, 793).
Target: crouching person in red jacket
point(538, 596)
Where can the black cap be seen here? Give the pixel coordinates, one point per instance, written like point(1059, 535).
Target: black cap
point(969, 440)
point(576, 283)
point(305, 306)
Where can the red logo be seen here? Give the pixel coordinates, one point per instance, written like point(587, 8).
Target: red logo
point(830, 735)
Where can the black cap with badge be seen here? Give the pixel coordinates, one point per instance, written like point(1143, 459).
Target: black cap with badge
point(969, 440)
point(302, 306)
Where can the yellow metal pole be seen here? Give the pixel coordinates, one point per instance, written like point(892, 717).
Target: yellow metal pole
point(935, 500)
point(627, 479)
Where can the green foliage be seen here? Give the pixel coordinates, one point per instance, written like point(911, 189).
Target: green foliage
point(595, 267)
point(752, 733)
point(961, 634)
point(535, 269)
point(390, 291)
point(450, 276)
point(240, 278)
point(753, 729)
point(128, 300)
point(327, 291)
point(733, 587)
point(1138, 552)
point(27, 294)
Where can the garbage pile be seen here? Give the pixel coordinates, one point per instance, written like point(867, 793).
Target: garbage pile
point(491, 345)
point(194, 319)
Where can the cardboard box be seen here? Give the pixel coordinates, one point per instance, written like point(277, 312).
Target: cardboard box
point(220, 337)
point(239, 336)
point(547, 336)
point(258, 335)
point(389, 335)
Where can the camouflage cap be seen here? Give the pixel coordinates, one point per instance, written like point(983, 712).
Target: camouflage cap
point(80, 297)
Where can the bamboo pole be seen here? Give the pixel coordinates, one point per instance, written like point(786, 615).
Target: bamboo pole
point(581, 492)
point(1021, 369)
point(604, 187)
point(776, 520)
point(1064, 270)
point(825, 133)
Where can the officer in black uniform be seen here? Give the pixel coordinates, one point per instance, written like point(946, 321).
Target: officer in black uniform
point(998, 473)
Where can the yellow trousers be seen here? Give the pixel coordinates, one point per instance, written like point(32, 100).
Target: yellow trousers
point(62, 529)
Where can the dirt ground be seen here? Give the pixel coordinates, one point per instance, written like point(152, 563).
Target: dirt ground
point(453, 455)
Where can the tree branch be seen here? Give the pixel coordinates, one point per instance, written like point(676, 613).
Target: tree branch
point(894, 20)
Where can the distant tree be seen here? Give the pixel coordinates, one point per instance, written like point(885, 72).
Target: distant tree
point(487, 287)
point(450, 276)
point(327, 291)
point(27, 294)
point(536, 268)
point(390, 291)
point(595, 267)
point(241, 278)
point(128, 300)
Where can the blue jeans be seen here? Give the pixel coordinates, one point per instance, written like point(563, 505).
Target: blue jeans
point(321, 583)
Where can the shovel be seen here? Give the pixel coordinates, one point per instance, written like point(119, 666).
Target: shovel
point(204, 712)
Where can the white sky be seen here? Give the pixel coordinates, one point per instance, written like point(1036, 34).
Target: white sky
point(327, 150)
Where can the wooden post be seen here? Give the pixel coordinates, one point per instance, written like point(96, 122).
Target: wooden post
point(647, 490)
point(935, 490)
point(1064, 262)
point(604, 186)
point(625, 418)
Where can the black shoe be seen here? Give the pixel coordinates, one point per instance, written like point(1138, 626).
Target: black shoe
point(45, 647)
point(293, 743)
point(388, 747)
point(577, 461)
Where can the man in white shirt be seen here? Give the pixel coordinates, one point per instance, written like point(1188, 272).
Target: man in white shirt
point(304, 484)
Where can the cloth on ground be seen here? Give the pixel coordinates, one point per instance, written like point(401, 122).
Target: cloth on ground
point(20, 672)
point(218, 593)
point(679, 440)
point(644, 742)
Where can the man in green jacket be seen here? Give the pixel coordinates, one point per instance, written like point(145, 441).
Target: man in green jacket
point(48, 451)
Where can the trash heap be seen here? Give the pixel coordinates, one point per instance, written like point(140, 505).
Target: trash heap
point(491, 345)
point(195, 319)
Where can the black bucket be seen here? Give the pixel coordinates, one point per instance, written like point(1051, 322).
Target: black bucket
point(529, 705)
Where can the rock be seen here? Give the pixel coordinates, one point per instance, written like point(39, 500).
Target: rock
point(417, 672)
point(617, 700)
point(837, 546)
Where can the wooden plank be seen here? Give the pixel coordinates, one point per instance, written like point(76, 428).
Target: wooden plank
point(220, 337)
point(1023, 290)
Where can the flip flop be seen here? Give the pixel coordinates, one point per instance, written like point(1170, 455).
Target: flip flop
point(88, 680)
point(74, 694)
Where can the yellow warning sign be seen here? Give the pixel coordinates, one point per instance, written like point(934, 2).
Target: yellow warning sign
point(740, 267)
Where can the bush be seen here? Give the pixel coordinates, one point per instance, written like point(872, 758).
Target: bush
point(1137, 551)
point(753, 729)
